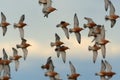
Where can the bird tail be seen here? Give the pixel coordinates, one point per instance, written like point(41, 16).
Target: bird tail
point(85, 26)
point(58, 25)
point(89, 48)
point(52, 44)
point(15, 25)
point(106, 18)
point(70, 30)
point(18, 46)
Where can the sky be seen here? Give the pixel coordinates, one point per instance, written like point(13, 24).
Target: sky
point(40, 31)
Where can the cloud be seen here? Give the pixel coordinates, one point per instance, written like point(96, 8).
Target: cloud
point(40, 49)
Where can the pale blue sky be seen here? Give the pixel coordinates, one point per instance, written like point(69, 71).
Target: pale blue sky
point(40, 32)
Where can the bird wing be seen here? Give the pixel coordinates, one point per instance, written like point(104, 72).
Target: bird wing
point(4, 30)
point(78, 37)
point(48, 60)
point(5, 56)
point(73, 70)
point(112, 9)
point(51, 68)
point(15, 52)
point(57, 38)
point(95, 54)
point(16, 65)
point(113, 23)
point(23, 41)
point(21, 30)
point(103, 66)
point(25, 52)
point(106, 4)
point(22, 18)
point(66, 32)
point(108, 66)
point(103, 50)
point(63, 55)
point(49, 3)
point(1, 68)
point(102, 32)
point(76, 21)
point(88, 19)
point(6, 70)
point(3, 17)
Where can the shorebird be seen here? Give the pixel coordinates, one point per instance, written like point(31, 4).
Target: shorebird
point(47, 8)
point(73, 75)
point(16, 58)
point(24, 46)
point(20, 25)
point(4, 23)
point(64, 25)
point(112, 16)
point(76, 29)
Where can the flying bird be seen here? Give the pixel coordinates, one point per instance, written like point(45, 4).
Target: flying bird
point(95, 49)
point(16, 58)
point(20, 25)
point(112, 16)
point(76, 29)
point(47, 65)
point(62, 50)
point(106, 71)
point(47, 8)
point(90, 23)
point(4, 23)
point(51, 73)
point(57, 43)
point(64, 25)
point(24, 46)
point(102, 43)
point(6, 66)
point(74, 75)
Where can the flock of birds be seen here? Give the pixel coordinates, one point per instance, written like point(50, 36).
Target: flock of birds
point(96, 31)
point(5, 69)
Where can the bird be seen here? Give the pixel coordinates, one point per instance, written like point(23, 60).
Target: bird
point(62, 51)
point(112, 16)
point(51, 73)
point(47, 8)
point(109, 72)
point(6, 66)
point(90, 23)
point(57, 42)
point(47, 65)
point(16, 58)
point(76, 29)
point(102, 72)
point(102, 43)
point(64, 25)
point(74, 75)
point(4, 23)
point(106, 70)
point(95, 49)
point(24, 46)
point(20, 25)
